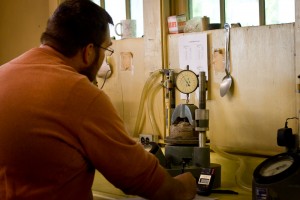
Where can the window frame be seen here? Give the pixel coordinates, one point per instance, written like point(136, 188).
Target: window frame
point(127, 7)
point(262, 12)
point(129, 13)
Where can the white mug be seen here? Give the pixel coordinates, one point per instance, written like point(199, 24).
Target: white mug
point(128, 28)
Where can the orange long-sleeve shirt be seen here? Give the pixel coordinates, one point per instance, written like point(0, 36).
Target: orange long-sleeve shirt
point(56, 128)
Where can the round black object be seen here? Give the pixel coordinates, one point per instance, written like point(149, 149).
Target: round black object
point(276, 168)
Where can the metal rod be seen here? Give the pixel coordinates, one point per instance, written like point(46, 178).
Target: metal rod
point(202, 139)
point(202, 90)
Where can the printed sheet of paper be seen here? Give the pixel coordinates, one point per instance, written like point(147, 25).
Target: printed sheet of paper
point(192, 50)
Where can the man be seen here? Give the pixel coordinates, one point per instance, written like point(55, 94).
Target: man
point(57, 127)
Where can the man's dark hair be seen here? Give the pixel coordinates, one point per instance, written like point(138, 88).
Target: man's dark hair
point(75, 24)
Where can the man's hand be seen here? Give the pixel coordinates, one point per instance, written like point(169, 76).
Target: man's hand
point(181, 187)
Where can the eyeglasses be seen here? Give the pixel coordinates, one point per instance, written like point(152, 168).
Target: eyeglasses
point(108, 51)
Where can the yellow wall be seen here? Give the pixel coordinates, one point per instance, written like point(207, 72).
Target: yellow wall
point(246, 120)
point(263, 94)
point(125, 87)
point(21, 22)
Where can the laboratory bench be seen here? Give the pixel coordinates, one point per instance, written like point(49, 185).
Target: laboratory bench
point(242, 194)
point(235, 176)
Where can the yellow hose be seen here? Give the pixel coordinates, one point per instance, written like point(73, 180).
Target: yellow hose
point(147, 86)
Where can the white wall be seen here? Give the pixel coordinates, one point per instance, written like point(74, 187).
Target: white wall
point(263, 94)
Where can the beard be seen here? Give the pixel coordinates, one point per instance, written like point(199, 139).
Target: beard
point(91, 71)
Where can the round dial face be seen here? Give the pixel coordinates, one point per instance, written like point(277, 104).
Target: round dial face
point(277, 166)
point(186, 81)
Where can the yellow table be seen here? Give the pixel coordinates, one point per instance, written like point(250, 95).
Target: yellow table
point(103, 190)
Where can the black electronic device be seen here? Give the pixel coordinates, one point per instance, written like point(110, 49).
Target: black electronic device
point(278, 176)
point(154, 148)
point(205, 182)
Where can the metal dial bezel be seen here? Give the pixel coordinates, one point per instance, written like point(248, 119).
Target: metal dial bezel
point(184, 88)
point(261, 178)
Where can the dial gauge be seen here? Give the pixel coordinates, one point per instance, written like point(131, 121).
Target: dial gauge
point(277, 167)
point(187, 81)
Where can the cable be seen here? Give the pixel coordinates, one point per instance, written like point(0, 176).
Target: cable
point(286, 121)
point(105, 78)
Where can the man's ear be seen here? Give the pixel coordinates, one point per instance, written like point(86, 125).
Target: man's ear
point(88, 54)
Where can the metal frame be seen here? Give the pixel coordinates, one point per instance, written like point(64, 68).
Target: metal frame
point(102, 3)
point(262, 13)
point(128, 10)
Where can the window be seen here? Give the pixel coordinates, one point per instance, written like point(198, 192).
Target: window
point(280, 11)
point(202, 8)
point(136, 10)
point(117, 13)
point(97, 2)
point(245, 12)
point(125, 9)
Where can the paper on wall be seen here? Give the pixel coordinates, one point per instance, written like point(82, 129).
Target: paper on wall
point(192, 50)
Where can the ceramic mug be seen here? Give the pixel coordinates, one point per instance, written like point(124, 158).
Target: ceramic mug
point(127, 27)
